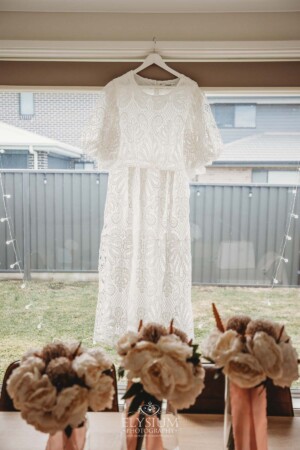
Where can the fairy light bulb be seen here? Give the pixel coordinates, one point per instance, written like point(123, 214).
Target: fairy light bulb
point(275, 281)
point(4, 219)
point(6, 196)
point(9, 242)
point(288, 238)
point(14, 264)
point(295, 216)
point(2, 150)
point(284, 259)
point(198, 193)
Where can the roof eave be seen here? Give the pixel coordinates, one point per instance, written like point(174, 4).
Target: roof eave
point(255, 163)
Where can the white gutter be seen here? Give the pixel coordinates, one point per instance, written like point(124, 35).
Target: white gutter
point(35, 157)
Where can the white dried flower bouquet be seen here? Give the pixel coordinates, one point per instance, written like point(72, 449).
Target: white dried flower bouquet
point(162, 365)
point(251, 351)
point(54, 387)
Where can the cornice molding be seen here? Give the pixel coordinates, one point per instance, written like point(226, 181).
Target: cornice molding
point(138, 50)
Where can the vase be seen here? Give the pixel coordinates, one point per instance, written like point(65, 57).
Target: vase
point(71, 439)
point(153, 427)
point(228, 443)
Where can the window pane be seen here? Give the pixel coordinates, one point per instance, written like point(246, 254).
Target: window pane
point(259, 176)
point(283, 177)
point(26, 103)
point(245, 116)
point(224, 115)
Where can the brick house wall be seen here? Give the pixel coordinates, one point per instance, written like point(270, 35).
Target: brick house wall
point(229, 175)
point(58, 115)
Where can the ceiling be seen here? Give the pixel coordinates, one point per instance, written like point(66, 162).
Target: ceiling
point(153, 6)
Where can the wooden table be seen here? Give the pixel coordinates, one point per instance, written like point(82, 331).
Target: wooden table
point(196, 432)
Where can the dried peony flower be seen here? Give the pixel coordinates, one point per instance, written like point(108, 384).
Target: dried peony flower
point(262, 325)
point(61, 373)
point(173, 346)
point(185, 394)
point(267, 353)
point(23, 384)
point(101, 396)
point(228, 345)
point(24, 379)
point(126, 342)
point(55, 350)
point(71, 406)
point(152, 332)
point(139, 356)
point(42, 395)
point(244, 370)
point(238, 324)
point(290, 368)
point(173, 379)
point(157, 377)
point(87, 368)
point(102, 360)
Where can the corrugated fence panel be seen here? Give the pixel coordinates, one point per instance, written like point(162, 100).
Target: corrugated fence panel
point(237, 234)
point(237, 231)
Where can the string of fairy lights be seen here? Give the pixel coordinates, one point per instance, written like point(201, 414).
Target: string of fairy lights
point(292, 215)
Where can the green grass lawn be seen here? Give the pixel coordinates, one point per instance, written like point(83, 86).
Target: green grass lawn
point(45, 310)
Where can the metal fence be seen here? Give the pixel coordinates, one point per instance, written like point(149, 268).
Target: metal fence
point(236, 230)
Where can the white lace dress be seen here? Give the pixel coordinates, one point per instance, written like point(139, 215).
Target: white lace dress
point(152, 142)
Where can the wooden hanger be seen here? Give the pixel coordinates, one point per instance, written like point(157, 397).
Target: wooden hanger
point(155, 58)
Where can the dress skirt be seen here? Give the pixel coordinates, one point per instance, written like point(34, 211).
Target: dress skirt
point(145, 253)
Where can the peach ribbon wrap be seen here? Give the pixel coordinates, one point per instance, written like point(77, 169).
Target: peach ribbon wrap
point(249, 417)
point(77, 440)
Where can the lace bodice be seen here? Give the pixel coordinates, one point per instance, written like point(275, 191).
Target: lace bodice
point(136, 125)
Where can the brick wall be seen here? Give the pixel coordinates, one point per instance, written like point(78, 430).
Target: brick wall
point(42, 160)
point(58, 115)
point(226, 175)
point(30, 161)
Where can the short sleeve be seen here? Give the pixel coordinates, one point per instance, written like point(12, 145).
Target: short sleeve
point(100, 138)
point(202, 139)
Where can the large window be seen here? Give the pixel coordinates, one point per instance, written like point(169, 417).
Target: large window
point(235, 115)
point(289, 177)
point(240, 210)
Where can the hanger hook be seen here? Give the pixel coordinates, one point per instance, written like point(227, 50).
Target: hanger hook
point(154, 41)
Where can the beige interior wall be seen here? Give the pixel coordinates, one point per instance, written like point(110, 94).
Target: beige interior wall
point(275, 74)
point(179, 27)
